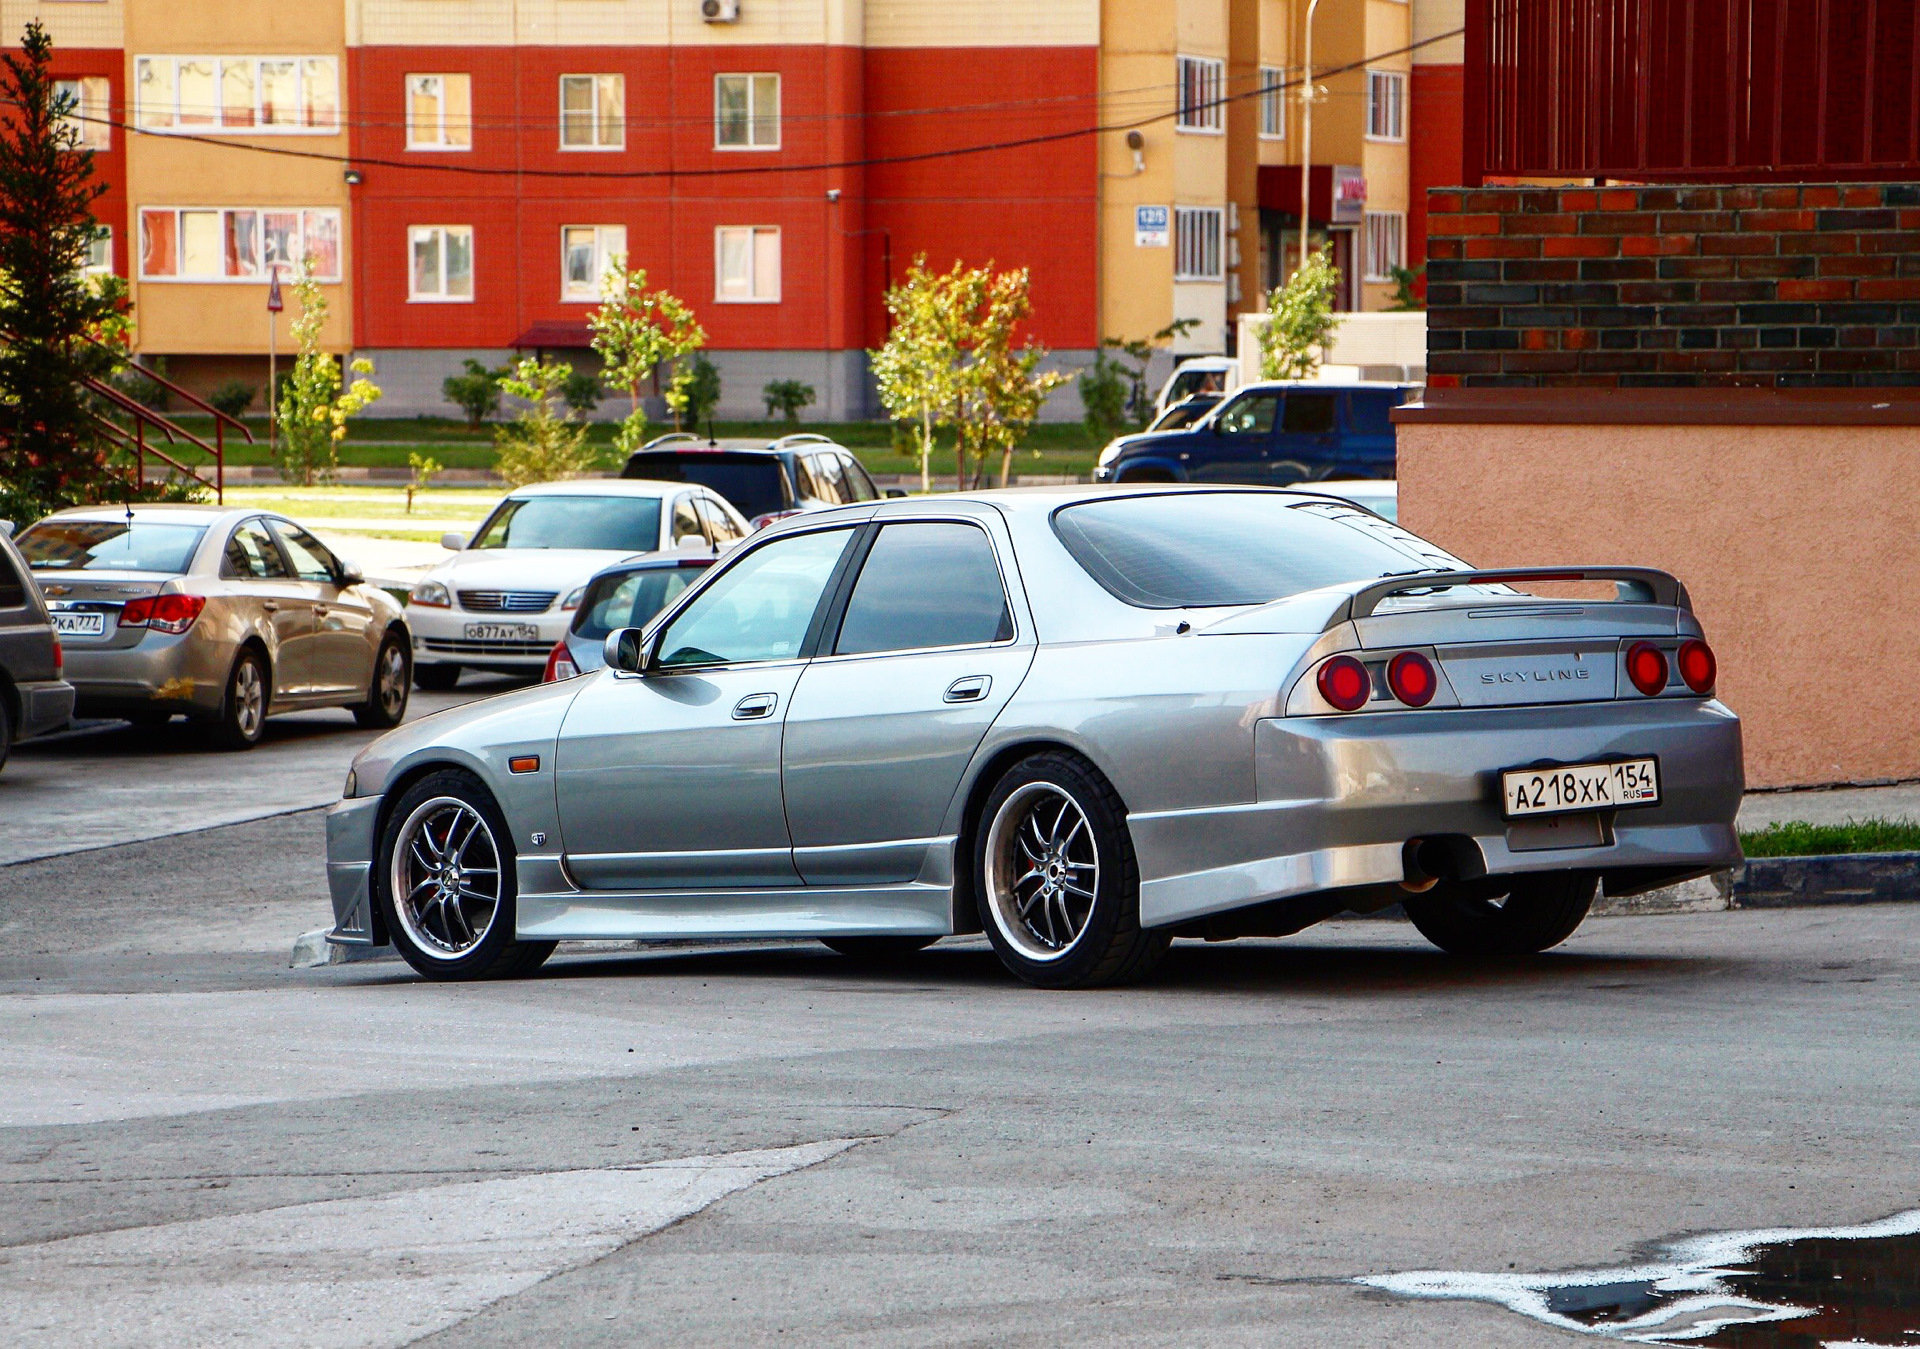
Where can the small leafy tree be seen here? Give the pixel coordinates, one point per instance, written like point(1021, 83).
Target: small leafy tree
point(1103, 393)
point(424, 466)
point(52, 453)
point(314, 409)
point(1139, 350)
point(543, 443)
point(476, 392)
point(583, 392)
point(694, 393)
point(1300, 320)
point(1404, 280)
point(785, 397)
point(1003, 387)
point(634, 330)
point(917, 367)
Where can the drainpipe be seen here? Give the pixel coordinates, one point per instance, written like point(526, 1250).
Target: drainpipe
point(1306, 130)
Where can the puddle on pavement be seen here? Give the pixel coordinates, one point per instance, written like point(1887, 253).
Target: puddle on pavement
point(1787, 1288)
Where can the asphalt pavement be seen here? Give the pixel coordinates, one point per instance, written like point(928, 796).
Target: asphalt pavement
point(773, 1143)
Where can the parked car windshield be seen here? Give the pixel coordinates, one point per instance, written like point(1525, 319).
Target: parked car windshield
point(1186, 412)
point(110, 545)
point(629, 599)
point(1193, 550)
point(753, 483)
point(615, 523)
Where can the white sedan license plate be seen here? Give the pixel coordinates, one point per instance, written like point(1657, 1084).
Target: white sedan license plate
point(80, 623)
point(502, 632)
point(1556, 789)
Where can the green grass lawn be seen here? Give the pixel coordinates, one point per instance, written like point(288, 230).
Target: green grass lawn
point(1795, 839)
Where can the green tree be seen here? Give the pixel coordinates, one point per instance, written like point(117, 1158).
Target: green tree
point(233, 397)
point(476, 392)
point(785, 397)
point(543, 443)
point(1139, 350)
point(314, 408)
point(423, 467)
point(1103, 393)
point(917, 368)
point(583, 392)
point(694, 393)
point(1300, 320)
point(634, 330)
point(1404, 280)
point(52, 452)
point(1002, 385)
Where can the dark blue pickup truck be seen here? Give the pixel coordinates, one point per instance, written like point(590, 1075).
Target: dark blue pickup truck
point(1271, 434)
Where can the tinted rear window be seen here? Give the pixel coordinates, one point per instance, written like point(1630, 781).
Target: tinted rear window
point(926, 585)
point(754, 485)
point(110, 545)
point(615, 524)
point(1195, 550)
point(13, 591)
point(629, 599)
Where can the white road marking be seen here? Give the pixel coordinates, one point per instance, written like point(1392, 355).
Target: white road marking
point(358, 1272)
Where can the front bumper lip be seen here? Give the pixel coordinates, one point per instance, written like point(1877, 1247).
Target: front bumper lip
point(350, 844)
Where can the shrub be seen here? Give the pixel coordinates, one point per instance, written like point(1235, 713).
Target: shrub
point(785, 397)
point(476, 393)
point(695, 392)
point(1103, 393)
point(583, 392)
point(233, 398)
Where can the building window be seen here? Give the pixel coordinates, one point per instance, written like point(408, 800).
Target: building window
point(1386, 244)
point(746, 112)
point(593, 112)
point(99, 251)
point(440, 262)
point(587, 254)
point(746, 265)
point(260, 95)
point(1273, 103)
point(1386, 105)
point(1201, 83)
point(439, 112)
point(91, 111)
point(1196, 243)
point(236, 243)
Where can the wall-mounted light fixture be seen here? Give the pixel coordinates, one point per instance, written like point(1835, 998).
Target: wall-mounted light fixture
point(1138, 144)
point(833, 194)
point(355, 177)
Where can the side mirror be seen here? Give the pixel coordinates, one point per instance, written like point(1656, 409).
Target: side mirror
point(455, 542)
point(624, 650)
point(896, 491)
point(351, 575)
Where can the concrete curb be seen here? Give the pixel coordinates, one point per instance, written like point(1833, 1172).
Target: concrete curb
point(311, 950)
point(1836, 878)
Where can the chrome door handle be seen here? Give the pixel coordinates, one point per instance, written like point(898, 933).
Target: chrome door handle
point(969, 690)
point(755, 706)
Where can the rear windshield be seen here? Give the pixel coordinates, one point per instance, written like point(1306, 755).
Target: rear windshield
point(753, 485)
point(629, 599)
point(1192, 550)
point(110, 545)
point(616, 524)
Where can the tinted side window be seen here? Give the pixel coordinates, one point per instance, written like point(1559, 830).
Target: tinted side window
point(1308, 413)
point(13, 591)
point(251, 554)
point(629, 601)
point(926, 585)
point(311, 560)
point(1249, 416)
point(686, 522)
point(858, 483)
point(827, 483)
point(720, 526)
point(760, 607)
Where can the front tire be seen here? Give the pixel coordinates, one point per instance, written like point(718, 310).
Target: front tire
point(1056, 879)
point(243, 711)
point(445, 876)
point(1536, 914)
point(386, 703)
point(435, 678)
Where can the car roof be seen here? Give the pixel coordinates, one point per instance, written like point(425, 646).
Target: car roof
point(186, 513)
point(603, 487)
point(1030, 500)
point(1329, 386)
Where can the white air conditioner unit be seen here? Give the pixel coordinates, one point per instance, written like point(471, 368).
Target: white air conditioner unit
point(720, 11)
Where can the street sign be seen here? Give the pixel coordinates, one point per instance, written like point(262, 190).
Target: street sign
point(274, 303)
point(1150, 226)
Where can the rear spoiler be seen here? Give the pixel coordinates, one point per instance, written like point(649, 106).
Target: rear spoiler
point(1643, 585)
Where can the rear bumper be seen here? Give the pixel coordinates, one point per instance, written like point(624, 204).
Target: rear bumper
point(184, 673)
point(45, 705)
point(1340, 796)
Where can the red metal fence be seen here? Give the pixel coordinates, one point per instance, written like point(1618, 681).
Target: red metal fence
point(1693, 90)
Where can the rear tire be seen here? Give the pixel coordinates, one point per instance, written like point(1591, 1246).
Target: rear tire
point(878, 949)
point(386, 703)
point(1287, 472)
point(243, 711)
point(444, 878)
point(1056, 880)
point(436, 678)
point(1538, 913)
point(1141, 475)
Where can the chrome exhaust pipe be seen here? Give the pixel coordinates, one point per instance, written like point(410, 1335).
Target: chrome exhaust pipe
point(1424, 863)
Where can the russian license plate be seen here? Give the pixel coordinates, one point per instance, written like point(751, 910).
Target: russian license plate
point(80, 623)
point(502, 632)
point(1558, 788)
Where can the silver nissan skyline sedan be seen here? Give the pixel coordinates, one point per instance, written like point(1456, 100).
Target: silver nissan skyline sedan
point(1082, 720)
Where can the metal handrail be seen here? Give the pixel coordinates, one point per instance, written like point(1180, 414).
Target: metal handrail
point(142, 413)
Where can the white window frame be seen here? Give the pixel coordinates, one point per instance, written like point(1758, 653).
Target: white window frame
point(92, 114)
point(609, 253)
point(167, 119)
point(1273, 103)
point(598, 114)
point(444, 124)
point(256, 239)
point(1387, 105)
point(1200, 82)
point(752, 78)
point(1199, 256)
point(441, 296)
point(1384, 228)
point(755, 233)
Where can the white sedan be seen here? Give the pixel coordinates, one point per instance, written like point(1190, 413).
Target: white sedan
point(508, 594)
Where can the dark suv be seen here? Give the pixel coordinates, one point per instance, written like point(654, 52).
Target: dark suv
point(33, 695)
point(1270, 434)
point(795, 473)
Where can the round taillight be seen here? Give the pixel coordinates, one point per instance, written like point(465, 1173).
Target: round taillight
point(1697, 666)
point(1647, 668)
point(1410, 675)
point(1344, 683)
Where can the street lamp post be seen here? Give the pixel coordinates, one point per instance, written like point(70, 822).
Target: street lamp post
point(1306, 130)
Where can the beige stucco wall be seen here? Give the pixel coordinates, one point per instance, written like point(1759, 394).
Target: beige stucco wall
point(1797, 543)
